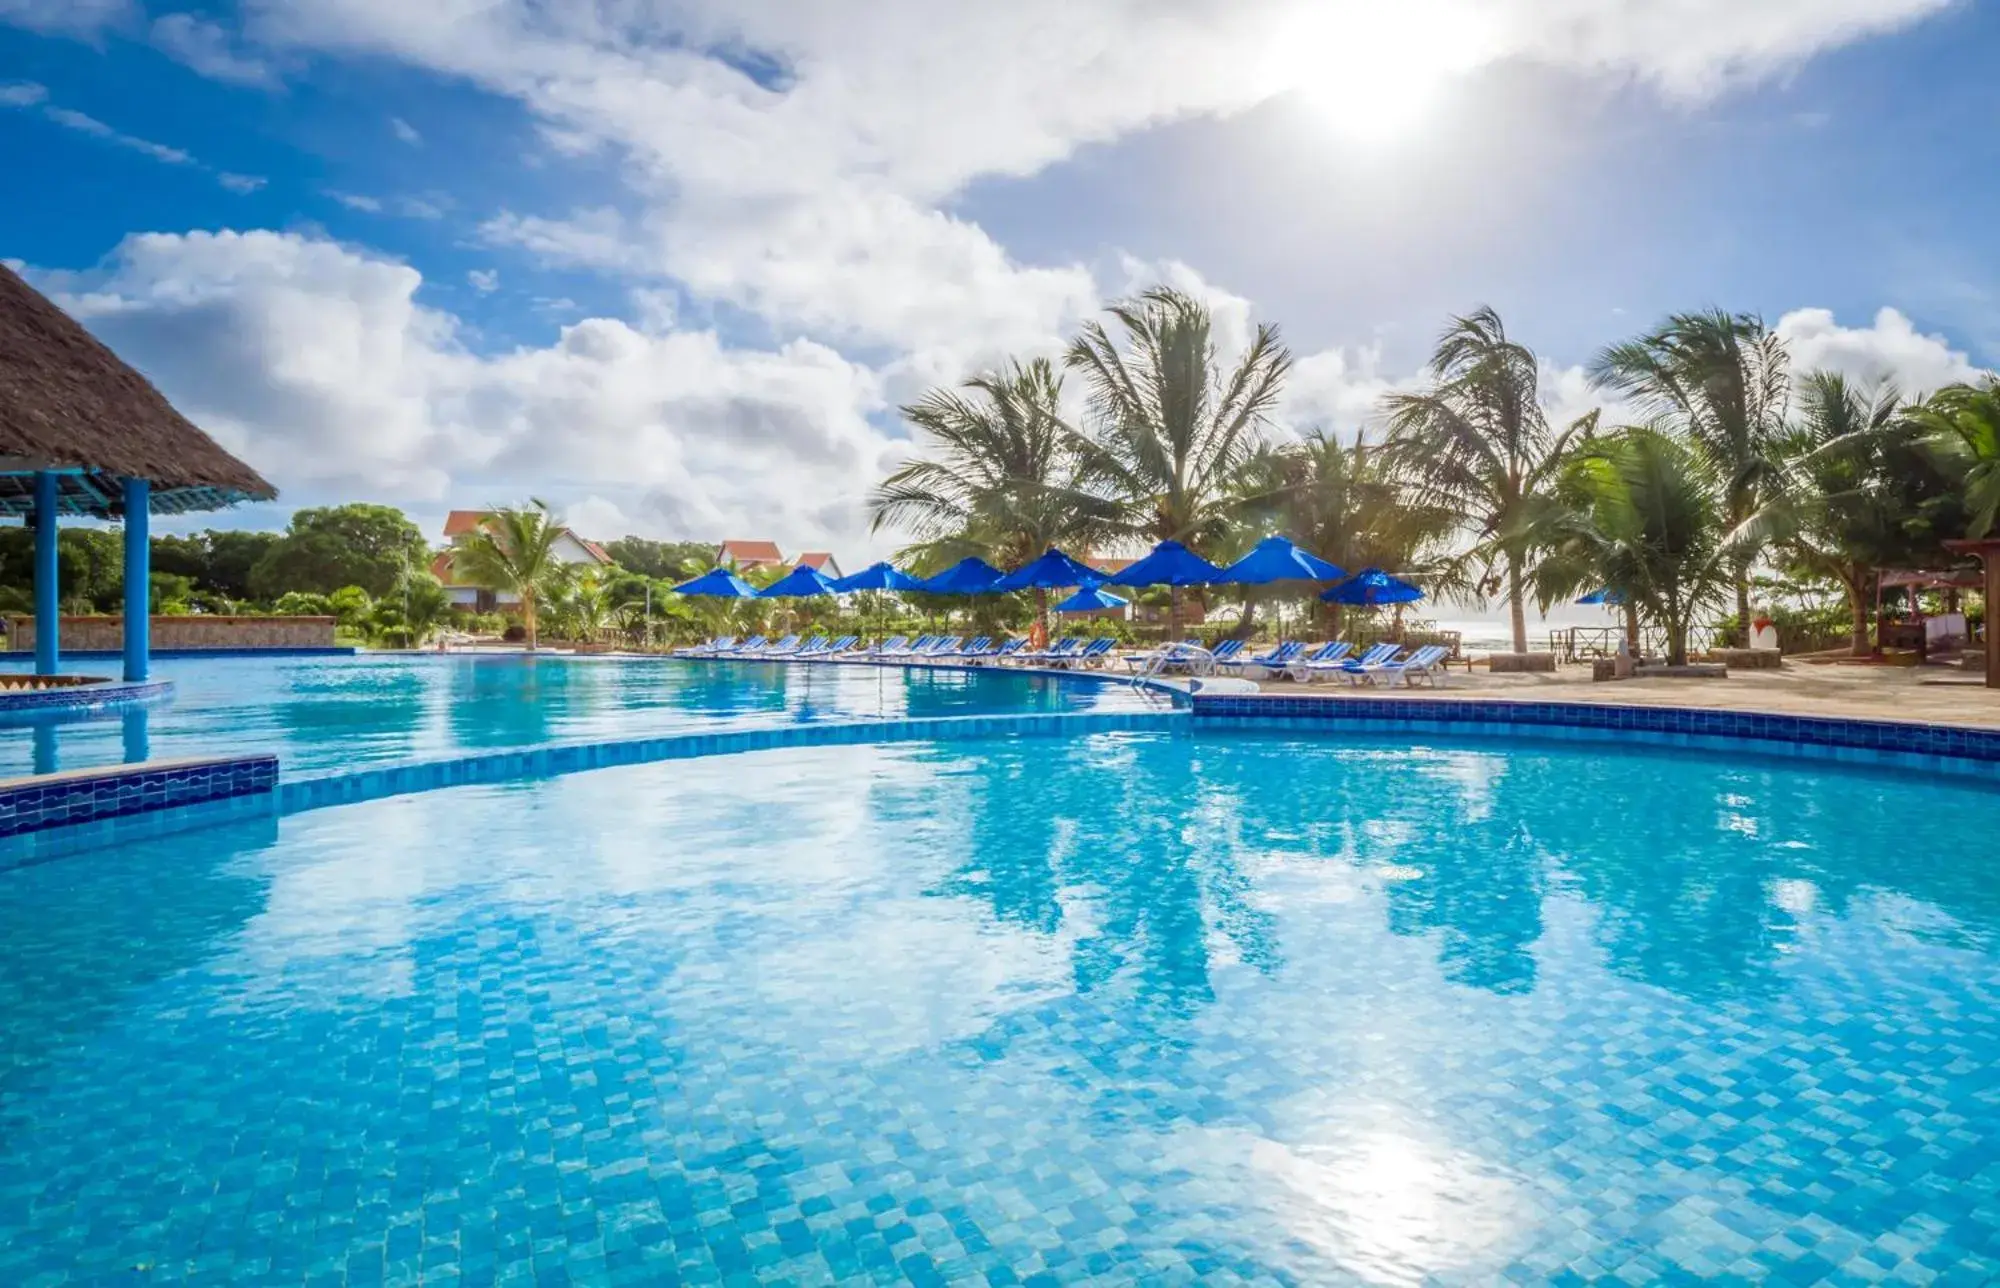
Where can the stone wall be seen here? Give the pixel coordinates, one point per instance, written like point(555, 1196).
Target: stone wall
point(107, 634)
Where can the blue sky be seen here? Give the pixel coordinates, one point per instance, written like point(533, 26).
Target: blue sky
point(674, 265)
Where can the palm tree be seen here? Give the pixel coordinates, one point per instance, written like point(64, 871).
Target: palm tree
point(1477, 444)
point(513, 550)
point(1170, 430)
point(1723, 381)
point(1961, 426)
point(1642, 516)
point(1344, 503)
point(1004, 480)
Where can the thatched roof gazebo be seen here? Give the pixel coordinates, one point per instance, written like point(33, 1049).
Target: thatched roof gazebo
point(82, 433)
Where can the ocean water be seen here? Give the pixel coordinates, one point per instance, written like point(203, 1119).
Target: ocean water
point(319, 713)
point(1121, 1009)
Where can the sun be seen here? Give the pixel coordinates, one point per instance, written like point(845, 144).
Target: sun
point(1372, 69)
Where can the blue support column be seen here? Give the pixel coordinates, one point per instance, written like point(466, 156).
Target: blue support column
point(138, 578)
point(48, 600)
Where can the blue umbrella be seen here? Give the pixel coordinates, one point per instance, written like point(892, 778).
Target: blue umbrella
point(801, 582)
point(720, 583)
point(1606, 596)
point(1373, 586)
point(969, 576)
point(879, 576)
point(1277, 559)
point(1170, 564)
point(1091, 599)
point(1054, 569)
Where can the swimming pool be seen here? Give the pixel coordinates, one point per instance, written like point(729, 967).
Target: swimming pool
point(320, 713)
point(1130, 1007)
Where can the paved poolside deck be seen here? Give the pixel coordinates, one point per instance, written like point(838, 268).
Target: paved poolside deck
point(1923, 695)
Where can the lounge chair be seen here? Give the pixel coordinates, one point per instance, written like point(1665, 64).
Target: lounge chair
point(1426, 662)
point(747, 648)
point(815, 646)
point(1091, 655)
point(1068, 646)
point(785, 647)
point(720, 644)
point(1287, 652)
point(942, 647)
point(1012, 648)
point(1350, 666)
point(1151, 660)
point(1300, 668)
point(979, 648)
point(907, 648)
point(1226, 653)
point(833, 650)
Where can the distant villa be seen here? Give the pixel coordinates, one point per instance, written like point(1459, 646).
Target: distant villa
point(747, 555)
point(570, 548)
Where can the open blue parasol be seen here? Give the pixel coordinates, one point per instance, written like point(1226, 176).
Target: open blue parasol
point(1170, 564)
point(1091, 599)
point(719, 583)
point(969, 576)
point(801, 582)
point(1050, 572)
point(1372, 586)
point(881, 576)
point(1277, 559)
point(1606, 596)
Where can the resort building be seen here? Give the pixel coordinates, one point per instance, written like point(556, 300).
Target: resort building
point(571, 548)
point(744, 556)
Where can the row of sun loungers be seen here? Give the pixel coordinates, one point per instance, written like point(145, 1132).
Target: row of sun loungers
point(1292, 660)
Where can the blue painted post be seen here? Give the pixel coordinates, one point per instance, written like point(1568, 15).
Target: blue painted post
point(138, 578)
point(48, 601)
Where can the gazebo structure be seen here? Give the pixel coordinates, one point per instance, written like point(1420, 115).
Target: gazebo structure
point(1987, 549)
point(83, 434)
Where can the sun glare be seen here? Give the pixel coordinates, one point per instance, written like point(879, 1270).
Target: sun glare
point(1372, 71)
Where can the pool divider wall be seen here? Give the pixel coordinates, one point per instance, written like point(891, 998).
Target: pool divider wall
point(155, 810)
point(18, 706)
point(1937, 749)
point(86, 796)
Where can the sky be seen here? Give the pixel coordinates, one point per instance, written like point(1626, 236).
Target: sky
point(673, 264)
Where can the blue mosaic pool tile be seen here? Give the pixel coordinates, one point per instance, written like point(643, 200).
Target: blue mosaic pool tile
point(65, 800)
point(319, 790)
point(39, 704)
point(1937, 748)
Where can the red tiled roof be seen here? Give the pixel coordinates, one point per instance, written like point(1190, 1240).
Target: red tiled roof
point(596, 551)
point(816, 558)
point(750, 552)
point(441, 567)
point(460, 522)
point(1111, 565)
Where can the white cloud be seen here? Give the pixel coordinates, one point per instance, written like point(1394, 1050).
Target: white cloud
point(22, 94)
point(357, 201)
point(1892, 349)
point(70, 119)
point(244, 183)
point(406, 132)
point(206, 49)
point(484, 280)
point(317, 364)
point(83, 18)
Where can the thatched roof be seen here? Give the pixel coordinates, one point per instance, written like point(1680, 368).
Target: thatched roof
point(69, 403)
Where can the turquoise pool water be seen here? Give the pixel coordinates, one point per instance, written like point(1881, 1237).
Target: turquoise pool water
point(322, 713)
point(1126, 1008)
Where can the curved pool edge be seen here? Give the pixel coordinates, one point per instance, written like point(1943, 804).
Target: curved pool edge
point(90, 701)
point(1962, 751)
point(352, 787)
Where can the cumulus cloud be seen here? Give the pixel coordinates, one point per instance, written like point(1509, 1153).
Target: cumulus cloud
point(1891, 350)
point(484, 280)
point(316, 362)
point(405, 132)
point(22, 94)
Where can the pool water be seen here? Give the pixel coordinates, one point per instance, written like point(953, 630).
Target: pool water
point(1126, 1008)
point(349, 712)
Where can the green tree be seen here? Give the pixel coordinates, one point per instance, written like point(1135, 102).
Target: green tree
point(1345, 503)
point(1722, 381)
point(232, 556)
point(1960, 424)
point(662, 560)
point(412, 612)
point(352, 607)
point(1477, 444)
point(513, 551)
point(1170, 431)
point(329, 547)
point(1857, 493)
point(1003, 479)
point(1641, 513)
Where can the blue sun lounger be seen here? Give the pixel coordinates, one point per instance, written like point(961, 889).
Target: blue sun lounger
point(1300, 668)
point(1091, 655)
point(1265, 663)
point(1350, 666)
point(1068, 646)
point(1427, 662)
point(720, 644)
point(783, 648)
point(1011, 649)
